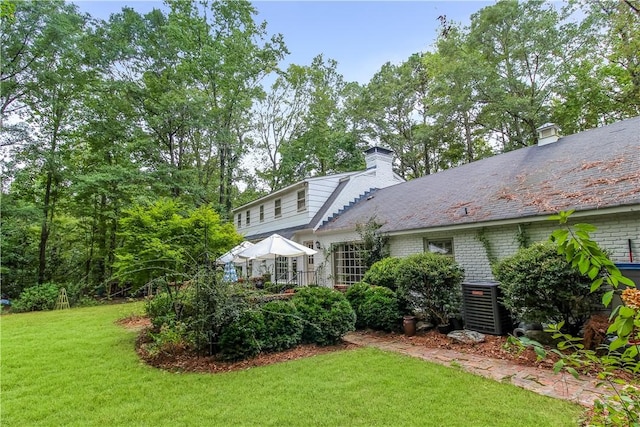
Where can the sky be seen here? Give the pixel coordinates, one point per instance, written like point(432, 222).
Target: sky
point(360, 35)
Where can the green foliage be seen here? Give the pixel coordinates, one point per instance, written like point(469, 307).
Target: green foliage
point(539, 285)
point(240, 339)
point(383, 273)
point(586, 257)
point(165, 239)
point(282, 326)
point(486, 244)
point(356, 294)
point(326, 314)
point(161, 310)
point(37, 298)
point(430, 283)
point(380, 309)
point(374, 244)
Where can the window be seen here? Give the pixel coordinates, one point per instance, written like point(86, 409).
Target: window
point(442, 246)
point(301, 200)
point(261, 213)
point(239, 220)
point(348, 267)
point(277, 208)
point(281, 269)
point(248, 218)
point(310, 259)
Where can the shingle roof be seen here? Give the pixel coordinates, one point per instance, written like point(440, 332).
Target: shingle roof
point(595, 169)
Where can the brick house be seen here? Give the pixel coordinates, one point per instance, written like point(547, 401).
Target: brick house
point(502, 200)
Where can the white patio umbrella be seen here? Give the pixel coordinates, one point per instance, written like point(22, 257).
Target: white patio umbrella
point(232, 254)
point(275, 246)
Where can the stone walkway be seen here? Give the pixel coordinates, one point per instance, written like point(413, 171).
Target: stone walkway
point(562, 386)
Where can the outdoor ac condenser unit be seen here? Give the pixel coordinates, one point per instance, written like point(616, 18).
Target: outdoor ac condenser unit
point(483, 311)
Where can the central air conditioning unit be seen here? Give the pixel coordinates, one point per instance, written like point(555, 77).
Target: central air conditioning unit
point(483, 311)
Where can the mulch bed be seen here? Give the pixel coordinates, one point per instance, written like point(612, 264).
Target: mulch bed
point(181, 360)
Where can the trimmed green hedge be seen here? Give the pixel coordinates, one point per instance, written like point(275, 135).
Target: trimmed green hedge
point(326, 315)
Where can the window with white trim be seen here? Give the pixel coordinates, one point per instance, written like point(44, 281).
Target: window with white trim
point(261, 213)
point(348, 267)
point(302, 203)
point(239, 220)
point(439, 246)
point(248, 219)
point(277, 208)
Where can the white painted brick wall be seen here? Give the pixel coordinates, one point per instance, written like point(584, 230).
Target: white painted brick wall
point(612, 234)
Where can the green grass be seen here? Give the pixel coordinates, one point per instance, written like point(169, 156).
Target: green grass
point(78, 368)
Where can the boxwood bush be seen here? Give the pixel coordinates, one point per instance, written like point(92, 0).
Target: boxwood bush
point(326, 314)
point(282, 326)
point(430, 283)
point(380, 309)
point(539, 285)
point(384, 273)
point(241, 339)
point(356, 294)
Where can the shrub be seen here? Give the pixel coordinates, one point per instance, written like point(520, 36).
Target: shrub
point(37, 298)
point(283, 326)
point(241, 339)
point(384, 273)
point(430, 283)
point(326, 314)
point(160, 310)
point(380, 309)
point(356, 294)
point(539, 285)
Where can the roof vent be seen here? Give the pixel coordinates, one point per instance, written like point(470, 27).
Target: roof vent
point(548, 133)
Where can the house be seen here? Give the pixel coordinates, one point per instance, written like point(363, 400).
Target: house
point(490, 207)
point(295, 212)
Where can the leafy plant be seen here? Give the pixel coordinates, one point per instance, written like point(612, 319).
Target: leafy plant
point(283, 326)
point(326, 314)
point(374, 243)
point(586, 257)
point(356, 294)
point(380, 309)
point(37, 298)
point(430, 283)
point(383, 273)
point(539, 285)
point(240, 339)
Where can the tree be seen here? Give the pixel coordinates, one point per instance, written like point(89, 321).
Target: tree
point(167, 240)
point(522, 48)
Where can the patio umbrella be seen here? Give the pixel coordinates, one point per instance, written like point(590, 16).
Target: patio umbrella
point(230, 274)
point(232, 254)
point(276, 246)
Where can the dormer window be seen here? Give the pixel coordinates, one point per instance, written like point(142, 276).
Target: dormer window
point(239, 220)
point(248, 218)
point(261, 213)
point(302, 200)
point(277, 208)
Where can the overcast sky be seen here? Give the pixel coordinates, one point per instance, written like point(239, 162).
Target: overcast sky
point(360, 35)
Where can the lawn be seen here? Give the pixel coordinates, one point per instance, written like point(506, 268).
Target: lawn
point(78, 368)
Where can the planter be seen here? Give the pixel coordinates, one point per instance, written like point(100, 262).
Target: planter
point(456, 323)
point(341, 288)
point(444, 328)
point(409, 325)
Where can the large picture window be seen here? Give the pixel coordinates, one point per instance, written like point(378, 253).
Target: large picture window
point(348, 267)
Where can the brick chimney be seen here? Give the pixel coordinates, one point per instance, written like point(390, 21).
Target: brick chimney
point(380, 159)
